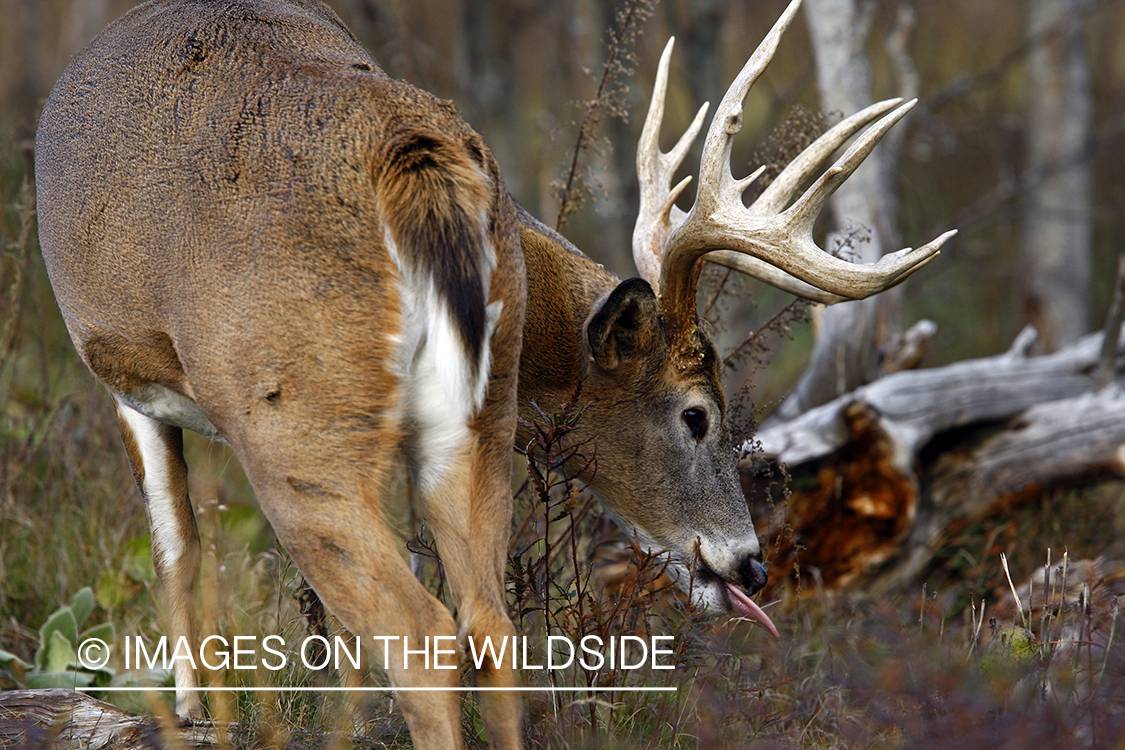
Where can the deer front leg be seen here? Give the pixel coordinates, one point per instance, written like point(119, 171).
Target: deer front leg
point(156, 456)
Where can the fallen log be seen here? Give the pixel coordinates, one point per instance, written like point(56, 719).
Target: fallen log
point(884, 475)
point(1073, 442)
point(918, 404)
point(69, 720)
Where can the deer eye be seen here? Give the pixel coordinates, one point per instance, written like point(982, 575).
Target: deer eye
point(696, 421)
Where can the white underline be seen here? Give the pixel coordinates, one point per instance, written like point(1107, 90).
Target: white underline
point(228, 689)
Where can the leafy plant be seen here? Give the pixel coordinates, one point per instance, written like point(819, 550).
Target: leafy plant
point(56, 663)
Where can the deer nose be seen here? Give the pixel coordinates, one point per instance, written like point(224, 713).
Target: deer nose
point(752, 573)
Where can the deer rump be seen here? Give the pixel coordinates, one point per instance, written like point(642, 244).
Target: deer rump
point(273, 221)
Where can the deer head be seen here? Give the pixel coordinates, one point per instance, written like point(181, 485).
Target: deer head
point(666, 466)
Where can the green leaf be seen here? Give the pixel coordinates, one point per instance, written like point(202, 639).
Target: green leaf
point(60, 679)
point(82, 604)
point(105, 631)
point(102, 677)
point(13, 664)
point(60, 653)
point(141, 703)
point(145, 678)
point(60, 622)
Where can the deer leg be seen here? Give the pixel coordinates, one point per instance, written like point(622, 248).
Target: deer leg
point(336, 532)
point(156, 456)
point(470, 514)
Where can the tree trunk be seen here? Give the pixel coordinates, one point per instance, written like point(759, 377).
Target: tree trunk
point(1056, 210)
point(851, 333)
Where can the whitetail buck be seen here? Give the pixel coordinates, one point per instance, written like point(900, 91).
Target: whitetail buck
point(255, 234)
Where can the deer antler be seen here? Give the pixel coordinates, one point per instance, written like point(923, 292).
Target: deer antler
point(763, 240)
point(658, 214)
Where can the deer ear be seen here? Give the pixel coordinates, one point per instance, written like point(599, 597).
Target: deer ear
point(623, 324)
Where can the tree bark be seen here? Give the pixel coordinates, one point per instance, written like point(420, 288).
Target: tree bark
point(1057, 226)
point(918, 404)
point(851, 333)
point(68, 720)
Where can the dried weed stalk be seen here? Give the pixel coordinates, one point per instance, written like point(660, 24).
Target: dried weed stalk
point(558, 553)
point(14, 261)
point(609, 100)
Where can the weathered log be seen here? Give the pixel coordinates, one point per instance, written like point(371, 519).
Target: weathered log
point(69, 720)
point(915, 405)
point(1072, 442)
point(873, 498)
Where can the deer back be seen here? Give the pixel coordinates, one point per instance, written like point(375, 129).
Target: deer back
point(231, 210)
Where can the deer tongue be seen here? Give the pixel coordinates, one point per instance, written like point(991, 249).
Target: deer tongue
point(746, 607)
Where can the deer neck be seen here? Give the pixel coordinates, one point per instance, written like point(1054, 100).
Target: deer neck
point(562, 287)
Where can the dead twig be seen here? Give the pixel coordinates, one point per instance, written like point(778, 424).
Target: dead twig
point(609, 99)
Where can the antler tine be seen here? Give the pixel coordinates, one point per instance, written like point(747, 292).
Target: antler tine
point(763, 240)
point(773, 276)
point(719, 221)
point(800, 255)
point(780, 192)
point(775, 197)
point(658, 214)
point(678, 271)
point(787, 282)
point(808, 206)
point(714, 167)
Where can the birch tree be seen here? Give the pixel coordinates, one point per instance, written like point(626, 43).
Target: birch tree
point(850, 334)
point(1056, 209)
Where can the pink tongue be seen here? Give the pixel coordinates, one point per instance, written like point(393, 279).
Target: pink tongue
point(745, 606)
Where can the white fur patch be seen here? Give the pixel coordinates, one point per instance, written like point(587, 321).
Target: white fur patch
point(167, 536)
point(442, 392)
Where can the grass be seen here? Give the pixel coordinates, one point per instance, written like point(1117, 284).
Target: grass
point(903, 672)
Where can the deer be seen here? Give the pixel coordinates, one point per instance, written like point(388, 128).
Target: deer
point(254, 233)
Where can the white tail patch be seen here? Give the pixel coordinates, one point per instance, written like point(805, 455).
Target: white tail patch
point(444, 389)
